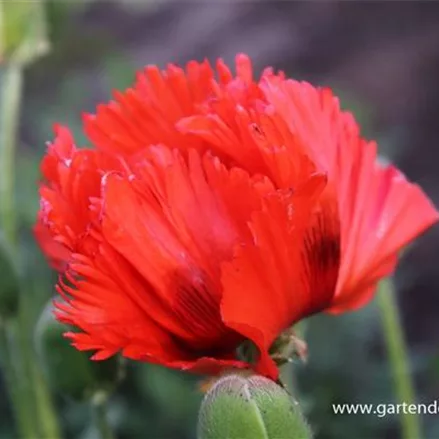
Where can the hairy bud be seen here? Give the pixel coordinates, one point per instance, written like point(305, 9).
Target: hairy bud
point(239, 407)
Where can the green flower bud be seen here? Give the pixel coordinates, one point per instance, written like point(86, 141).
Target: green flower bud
point(69, 371)
point(22, 31)
point(10, 281)
point(239, 407)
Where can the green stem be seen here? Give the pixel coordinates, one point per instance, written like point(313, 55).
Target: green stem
point(29, 393)
point(99, 404)
point(49, 425)
point(398, 358)
point(43, 411)
point(11, 88)
point(14, 387)
point(10, 96)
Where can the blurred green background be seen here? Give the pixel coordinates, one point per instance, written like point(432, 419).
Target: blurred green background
point(383, 61)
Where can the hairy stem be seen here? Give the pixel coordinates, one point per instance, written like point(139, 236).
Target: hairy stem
point(399, 359)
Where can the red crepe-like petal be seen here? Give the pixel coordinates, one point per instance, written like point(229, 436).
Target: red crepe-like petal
point(104, 304)
point(69, 196)
point(312, 116)
point(392, 213)
point(151, 111)
point(264, 291)
point(57, 254)
point(172, 224)
point(240, 125)
point(258, 141)
point(380, 213)
point(379, 210)
point(147, 113)
point(166, 230)
point(195, 217)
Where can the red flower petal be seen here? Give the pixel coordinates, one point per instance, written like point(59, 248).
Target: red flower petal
point(69, 196)
point(57, 254)
point(264, 292)
point(379, 210)
point(110, 304)
point(147, 113)
point(392, 213)
point(173, 223)
point(98, 302)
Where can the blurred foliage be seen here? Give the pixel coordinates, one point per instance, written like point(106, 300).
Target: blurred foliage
point(10, 284)
point(346, 361)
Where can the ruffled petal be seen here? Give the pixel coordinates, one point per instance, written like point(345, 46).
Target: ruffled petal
point(146, 114)
point(71, 189)
point(269, 285)
point(383, 212)
point(57, 254)
point(175, 223)
point(108, 302)
point(379, 210)
point(257, 140)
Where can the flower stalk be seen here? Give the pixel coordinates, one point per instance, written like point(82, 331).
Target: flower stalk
point(22, 41)
point(399, 359)
point(10, 89)
point(99, 408)
point(21, 410)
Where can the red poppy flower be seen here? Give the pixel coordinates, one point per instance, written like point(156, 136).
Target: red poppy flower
point(217, 210)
